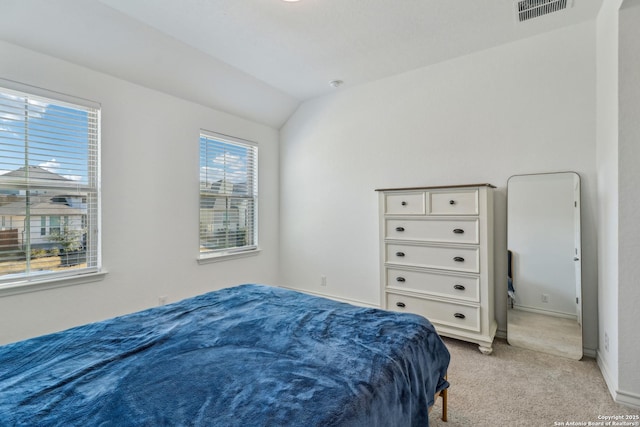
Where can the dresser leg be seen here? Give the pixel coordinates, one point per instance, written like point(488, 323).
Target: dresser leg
point(485, 350)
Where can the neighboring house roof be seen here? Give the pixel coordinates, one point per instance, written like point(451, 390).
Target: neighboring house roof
point(71, 194)
point(225, 187)
point(43, 208)
point(35, 172)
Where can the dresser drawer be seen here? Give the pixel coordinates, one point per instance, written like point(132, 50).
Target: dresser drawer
point(409, 203)
point(463, 202)
point(465, 288)
point(442, 257)
point(433, 230)
point(438, 312)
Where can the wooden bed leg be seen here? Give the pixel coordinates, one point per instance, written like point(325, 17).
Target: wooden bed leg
point(444, 404)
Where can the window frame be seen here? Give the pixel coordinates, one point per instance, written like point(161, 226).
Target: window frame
point(252, 185)
point(27, 281)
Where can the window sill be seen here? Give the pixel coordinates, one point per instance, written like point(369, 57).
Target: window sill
point(209, 258)
point(41, 285)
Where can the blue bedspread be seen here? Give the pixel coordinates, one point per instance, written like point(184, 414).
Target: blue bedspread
point(249, 355)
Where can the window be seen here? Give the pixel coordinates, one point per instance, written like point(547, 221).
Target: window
point(49, 185)
point(54, 225)
point(228, 195)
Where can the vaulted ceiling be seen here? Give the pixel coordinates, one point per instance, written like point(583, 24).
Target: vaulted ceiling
point(260, 58)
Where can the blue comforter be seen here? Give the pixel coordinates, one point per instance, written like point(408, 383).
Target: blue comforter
point(249, 355)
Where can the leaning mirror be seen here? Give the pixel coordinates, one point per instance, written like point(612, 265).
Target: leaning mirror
point(544, 270)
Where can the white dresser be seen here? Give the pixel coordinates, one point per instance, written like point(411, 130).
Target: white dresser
point(437, 258)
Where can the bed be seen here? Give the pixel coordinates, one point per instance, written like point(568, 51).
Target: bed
point(250, 355)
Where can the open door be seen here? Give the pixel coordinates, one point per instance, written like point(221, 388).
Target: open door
point(578, 252)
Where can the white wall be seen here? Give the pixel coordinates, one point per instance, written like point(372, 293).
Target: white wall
point(607, 188)
point(629, 203)
point(150, 148)
point(525, 107)
point(618, 132)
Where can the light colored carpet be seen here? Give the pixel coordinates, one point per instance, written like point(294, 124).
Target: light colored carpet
point(519, 387)
point(554, 335)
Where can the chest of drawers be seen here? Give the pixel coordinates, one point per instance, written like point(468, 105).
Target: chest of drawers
point(436, 255)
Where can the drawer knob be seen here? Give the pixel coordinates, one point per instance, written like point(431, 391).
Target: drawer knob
point(403, 203)
point(401, 304)
point(459, 287)
point(458, 230)
point(457, 259)
point(400, 229)
point(401, 254)
point(459, 316)
point(400, 279)
point(452, 202)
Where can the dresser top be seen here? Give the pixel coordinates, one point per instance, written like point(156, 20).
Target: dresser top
point(437, 186)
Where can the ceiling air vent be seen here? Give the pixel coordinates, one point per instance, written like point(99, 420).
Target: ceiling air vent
point(529, 9)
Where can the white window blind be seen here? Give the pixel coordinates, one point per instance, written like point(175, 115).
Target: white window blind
point(228, 195)
point(49, 185)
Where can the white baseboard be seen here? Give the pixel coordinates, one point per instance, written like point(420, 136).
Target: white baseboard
point(546, 312)
point(622, 397)
point(631, 400)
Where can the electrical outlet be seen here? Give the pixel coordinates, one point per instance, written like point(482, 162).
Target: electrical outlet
point(606, 341)
point(162, 300)
point(323, 280)
point(545, 298)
